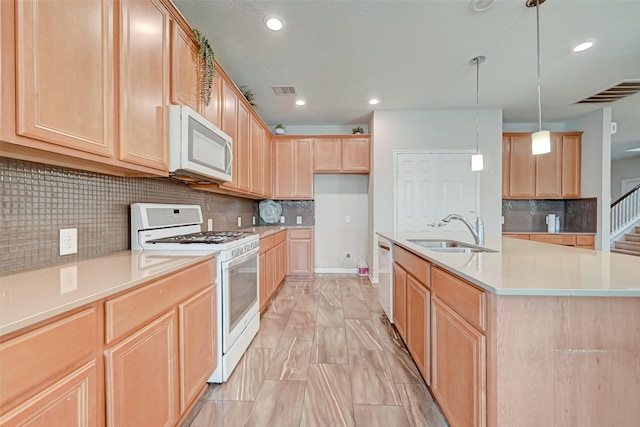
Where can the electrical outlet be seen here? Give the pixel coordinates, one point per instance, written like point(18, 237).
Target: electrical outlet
point(68, 279)
point(347, 256)
point(347, 219)
point(209, 224)
point(68, 241)
point(239, 221)
point(254, 220)
point(282, 219)
point(298, 219)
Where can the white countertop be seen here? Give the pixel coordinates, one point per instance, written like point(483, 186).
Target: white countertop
point(30, 297)
point(522, 267)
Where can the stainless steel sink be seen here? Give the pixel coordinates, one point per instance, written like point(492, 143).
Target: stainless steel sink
point(452, 246)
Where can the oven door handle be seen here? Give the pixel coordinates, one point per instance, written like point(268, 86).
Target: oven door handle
point(240, 259)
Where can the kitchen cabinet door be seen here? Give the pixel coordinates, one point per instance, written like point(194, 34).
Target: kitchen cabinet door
point(184, 59)
point(281, 261)
point(521, 168)
point(400, 300)
point(264, 292)
point(144, 83)
point(293, 159)
point(300, 251)
point(271, 263)
point(458, 357)
point(267, 164)
point(418, 322)
point(327, 155)
point(506, 165)
point(549, 171)
point(141, 376)
point(571, 166)
point(256, 175)
point(65, 74)
point(356, 155)
point(198, 344)
point(230, 126)
point(213, 111)
point(243, 170)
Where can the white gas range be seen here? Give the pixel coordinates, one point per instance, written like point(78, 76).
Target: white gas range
point(170, 227)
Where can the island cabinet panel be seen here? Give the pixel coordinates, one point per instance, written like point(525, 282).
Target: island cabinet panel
point(184, 59)
point(400, 300)
point(418, 322)
point(468, 301)
point(458, 361)
point(198, 344)
point(66, 96)
point(144, 83)
point(564, 361)
point(142, 376)
point(45, 369)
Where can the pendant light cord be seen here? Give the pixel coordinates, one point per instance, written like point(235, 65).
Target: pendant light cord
point(538, 56)
point(477, 102)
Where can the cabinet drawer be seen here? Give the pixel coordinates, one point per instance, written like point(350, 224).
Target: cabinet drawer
point(39, 355)
point(300, 233)
point(413, 264)
point(266, 243)
point(517, 236)
point(280, 237)
point(556, 239)
point(585, 240)
point(129, 311)
point(465, 299)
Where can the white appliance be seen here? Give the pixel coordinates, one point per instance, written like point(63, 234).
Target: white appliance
point(551, 223)
point(385, 290)
point(160, 227)
point(198, 150)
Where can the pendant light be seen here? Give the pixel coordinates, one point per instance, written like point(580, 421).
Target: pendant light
point(541, 140)
point(477, 160)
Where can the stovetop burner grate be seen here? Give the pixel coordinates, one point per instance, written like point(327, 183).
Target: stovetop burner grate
point(211, 237)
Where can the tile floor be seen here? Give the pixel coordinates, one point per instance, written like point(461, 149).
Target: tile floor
point(325, 356)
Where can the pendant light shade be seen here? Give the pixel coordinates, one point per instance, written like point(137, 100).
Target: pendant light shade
point(541, 140)
point(477, 160)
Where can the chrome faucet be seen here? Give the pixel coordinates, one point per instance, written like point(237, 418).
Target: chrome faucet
point(477, 232)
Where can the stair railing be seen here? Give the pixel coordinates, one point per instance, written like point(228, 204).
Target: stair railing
point(625, 211)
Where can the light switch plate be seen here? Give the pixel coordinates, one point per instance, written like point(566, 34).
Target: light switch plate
point(209, 224)
point(298, 219)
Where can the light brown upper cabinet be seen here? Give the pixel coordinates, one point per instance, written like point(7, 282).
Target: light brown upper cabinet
point(555, 175)
point(84, 87)
point(144, 83)
point(243, 146)
point(344, 154)
point(257, 147)
point(293, 163)
point(184, 59)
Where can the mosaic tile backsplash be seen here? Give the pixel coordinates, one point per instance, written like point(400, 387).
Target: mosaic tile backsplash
point(576, 216)
point(38, 200)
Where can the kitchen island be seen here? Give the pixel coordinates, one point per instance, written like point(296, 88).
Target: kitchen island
point(531, 335)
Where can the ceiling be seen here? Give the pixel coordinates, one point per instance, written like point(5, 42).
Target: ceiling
point(414, 55)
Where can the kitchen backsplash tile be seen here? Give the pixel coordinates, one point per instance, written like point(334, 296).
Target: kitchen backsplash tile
point(291, 209)
point(576, 216)
point(38, 200)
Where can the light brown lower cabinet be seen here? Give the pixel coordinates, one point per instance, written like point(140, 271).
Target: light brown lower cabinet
point(400, 299)
point(584, 241)
point(272, 267)
point(142, 357)
point(300, 252)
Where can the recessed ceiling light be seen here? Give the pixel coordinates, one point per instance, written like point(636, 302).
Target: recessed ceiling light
point(300, 102)
point(637, 149)
point(582, 46)
point(274, 23)
point(374, 101)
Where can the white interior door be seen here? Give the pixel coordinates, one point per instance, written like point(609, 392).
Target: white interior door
point(430, 186)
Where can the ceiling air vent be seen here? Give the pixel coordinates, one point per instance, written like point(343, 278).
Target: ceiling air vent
point(285, 90)
point(614, 93)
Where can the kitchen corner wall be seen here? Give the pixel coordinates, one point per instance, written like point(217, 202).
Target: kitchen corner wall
point(38, 200)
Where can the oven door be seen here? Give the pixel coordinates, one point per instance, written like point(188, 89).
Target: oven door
point(239, 295)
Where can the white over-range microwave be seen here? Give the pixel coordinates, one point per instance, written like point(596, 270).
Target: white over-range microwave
point(198, 150)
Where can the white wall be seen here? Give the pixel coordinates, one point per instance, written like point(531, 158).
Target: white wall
point(337, 196)
point(596, 166)
point(322, 129)
point(628, 168)
point(433, 130)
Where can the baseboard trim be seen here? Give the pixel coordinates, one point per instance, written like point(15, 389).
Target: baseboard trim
point(336, 270)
